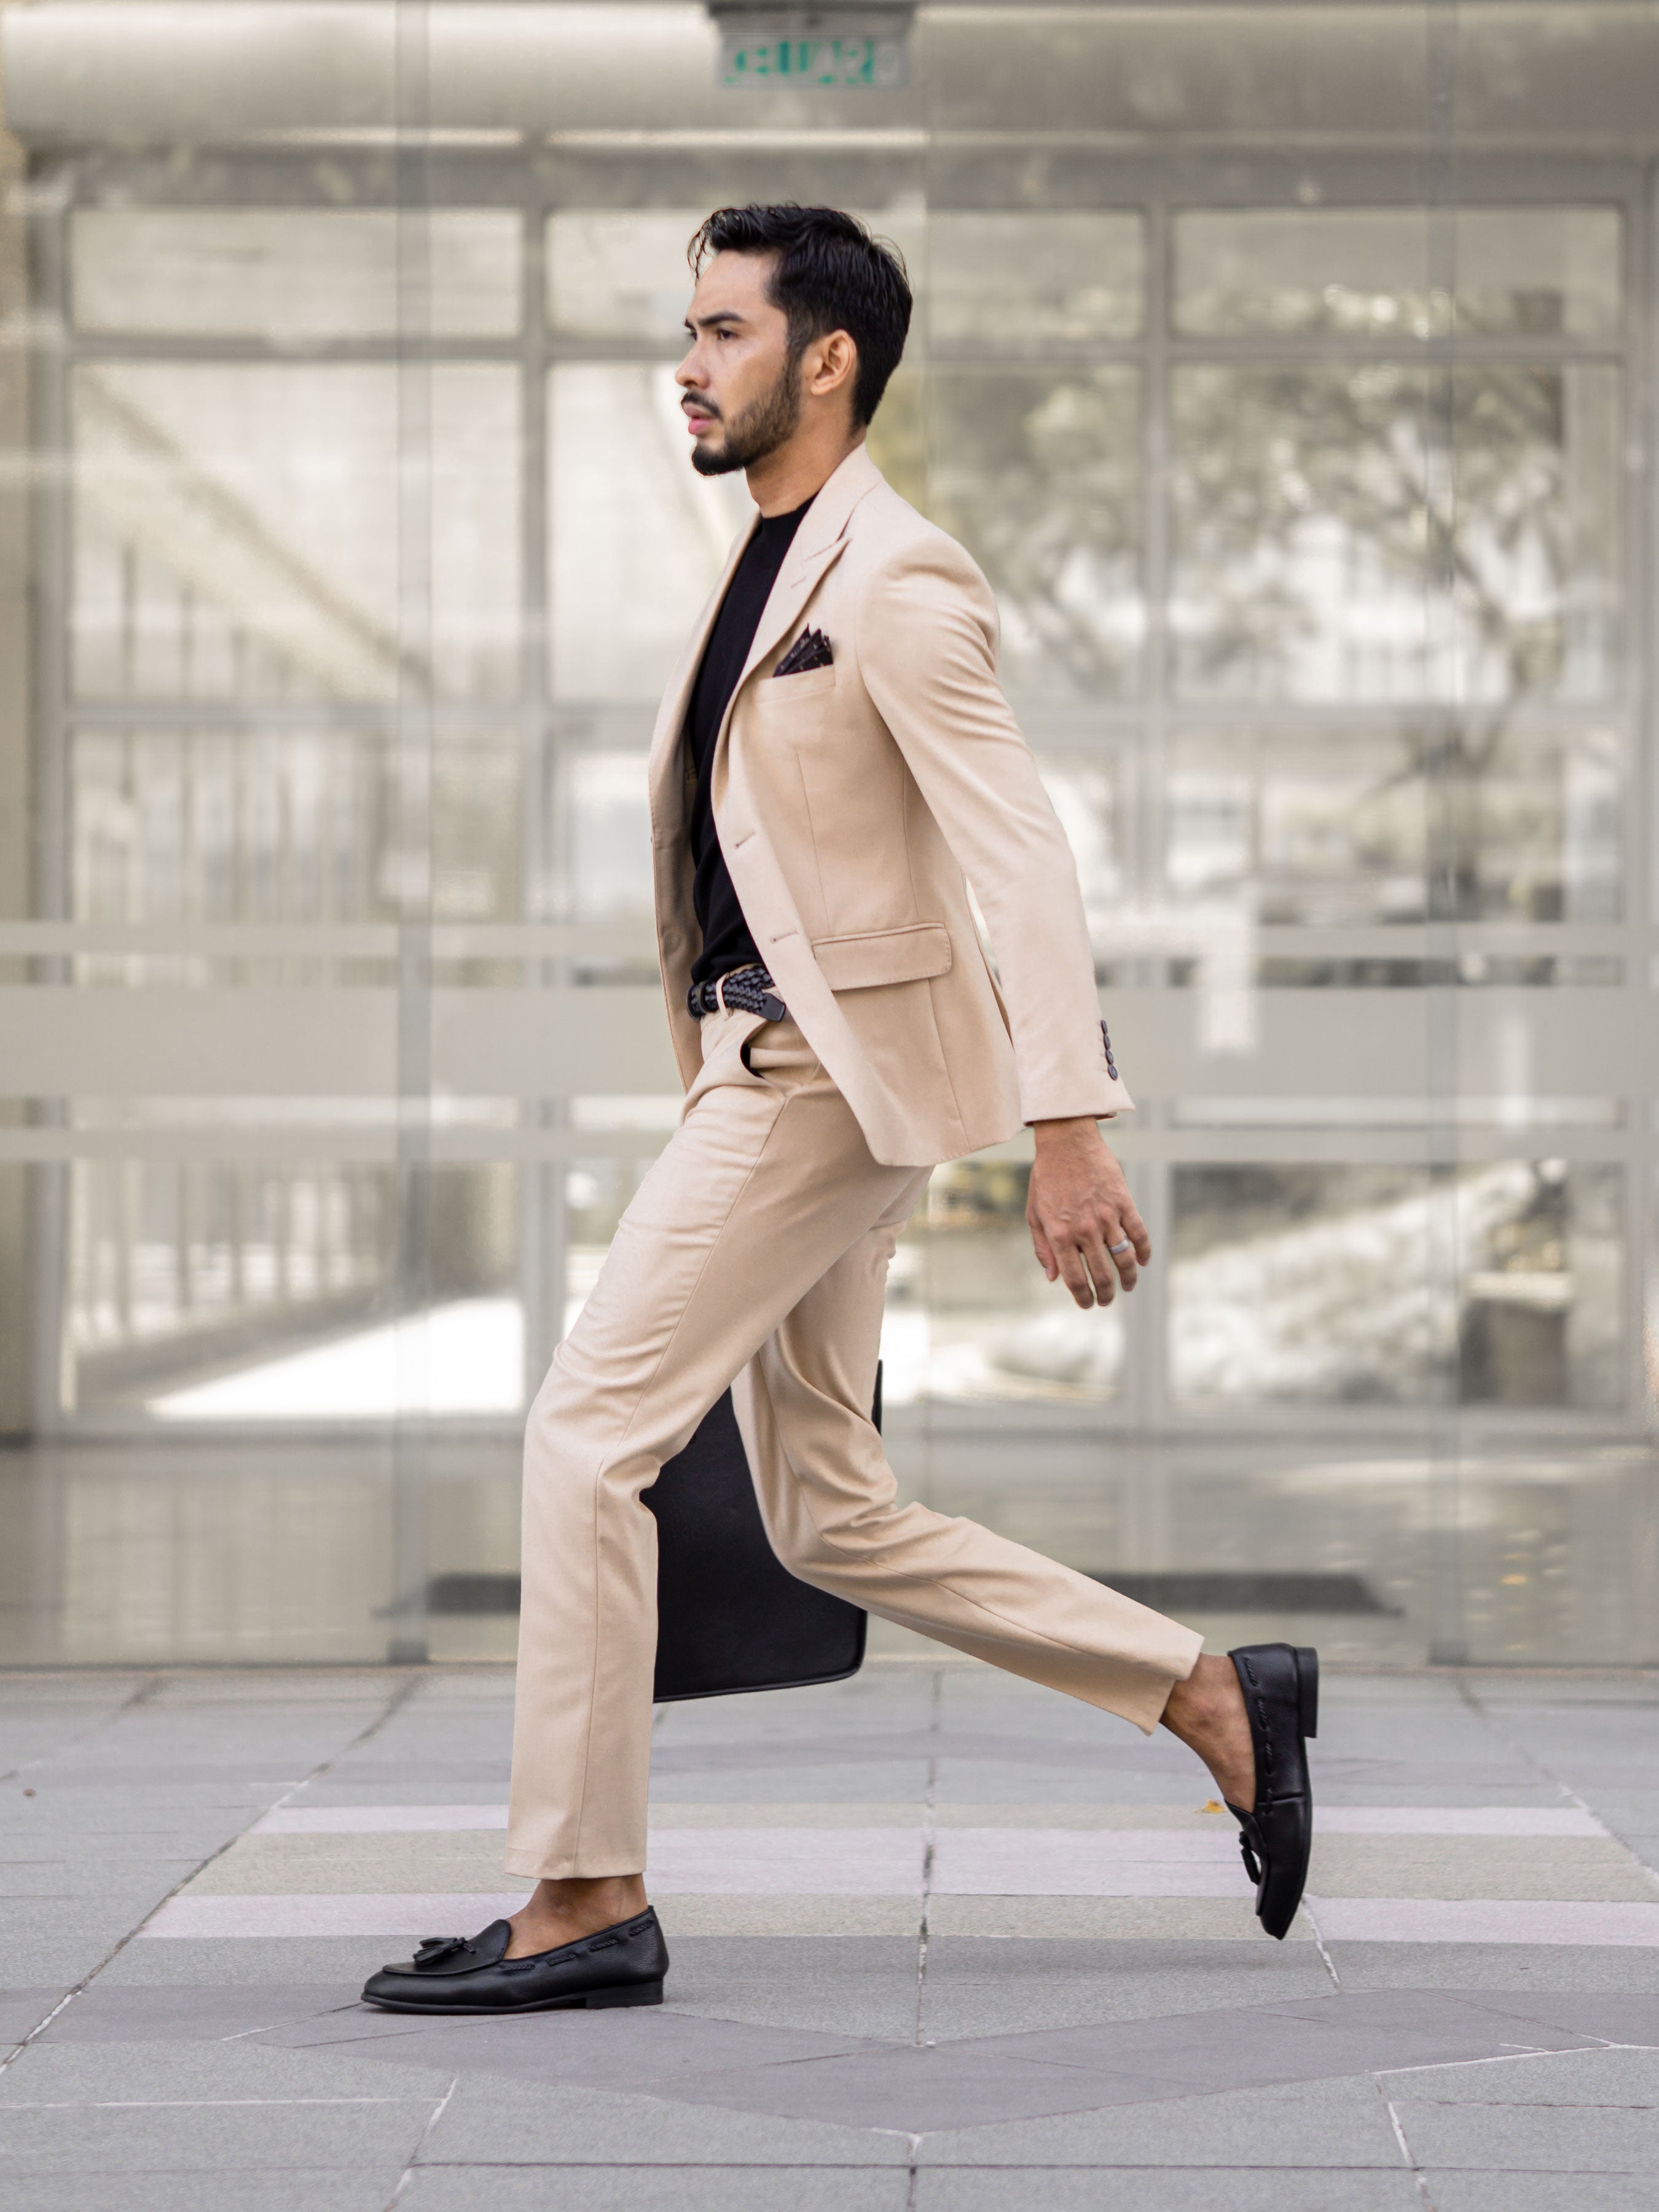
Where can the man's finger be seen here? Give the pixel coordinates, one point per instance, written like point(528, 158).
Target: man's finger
point(1044, 1249)
point(1135, 1229)
point(1074, 1271)
point(1102, 1273)
point(1117, 1233)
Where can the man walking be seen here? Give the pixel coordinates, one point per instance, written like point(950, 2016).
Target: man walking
point(833, 764)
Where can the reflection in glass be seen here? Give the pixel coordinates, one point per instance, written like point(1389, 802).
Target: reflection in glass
point(1037, 472)
point(639, 538)
point(280, 825)
point(245, 1291)
point(610, 836)
point(287, 274)
point(1034, 277)
point(1380, 1284)
point(1336, 826)
point(1306, 499)
point(970, 1315)
point(1366, 271)
point(1083, 790)
point(620, 272)
point(237, 531)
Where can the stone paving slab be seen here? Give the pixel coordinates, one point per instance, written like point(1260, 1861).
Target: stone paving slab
point(966, 1945)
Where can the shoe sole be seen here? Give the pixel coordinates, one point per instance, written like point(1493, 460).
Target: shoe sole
point(641, 1993)
point(1307, 1679)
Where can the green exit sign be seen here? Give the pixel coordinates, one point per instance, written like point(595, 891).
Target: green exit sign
point(779, 58)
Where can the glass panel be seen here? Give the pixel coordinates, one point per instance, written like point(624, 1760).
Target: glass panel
point(1304, 501)
point(1029, 278)
point(223, 1291)
point(1085, 790)
point(237, 530)
point(610, 836)
point(620, 272)
point(289, 274)
point(1037, 472)
point(1366, 271)
point(639, 538)
point(972, 1318)
point(277, 825)
point(1381, 1285)
point(1333, 826)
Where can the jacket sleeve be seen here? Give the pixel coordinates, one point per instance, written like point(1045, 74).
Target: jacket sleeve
point(926, 640)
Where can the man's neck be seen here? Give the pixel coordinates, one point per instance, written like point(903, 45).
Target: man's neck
point(797, 471)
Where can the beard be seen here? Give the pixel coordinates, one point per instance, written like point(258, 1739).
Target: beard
point(764, 425)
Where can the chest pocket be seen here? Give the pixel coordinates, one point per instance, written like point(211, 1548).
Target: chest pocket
point(777, 694)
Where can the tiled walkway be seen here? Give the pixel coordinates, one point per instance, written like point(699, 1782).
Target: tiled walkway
point(942, 1942)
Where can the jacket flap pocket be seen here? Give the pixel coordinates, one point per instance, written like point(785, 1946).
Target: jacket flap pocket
point(884, 956)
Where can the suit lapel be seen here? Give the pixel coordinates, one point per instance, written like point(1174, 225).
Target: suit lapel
point(667, 796)
point(822, 534)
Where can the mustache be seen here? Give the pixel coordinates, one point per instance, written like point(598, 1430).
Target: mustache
point(691, 406)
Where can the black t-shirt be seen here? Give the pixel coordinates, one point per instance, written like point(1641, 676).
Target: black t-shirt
point(727, 943)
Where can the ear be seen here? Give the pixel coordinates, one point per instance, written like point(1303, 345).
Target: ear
point(831, 366)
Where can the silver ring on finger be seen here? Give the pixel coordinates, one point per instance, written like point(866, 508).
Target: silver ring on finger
point(1127, 1245)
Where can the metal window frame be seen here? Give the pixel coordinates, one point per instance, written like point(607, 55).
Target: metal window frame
point(1160, 188)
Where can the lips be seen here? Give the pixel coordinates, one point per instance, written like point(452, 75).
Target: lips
point(696, 423)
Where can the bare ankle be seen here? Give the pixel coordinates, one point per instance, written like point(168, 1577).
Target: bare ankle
point(564, 1911)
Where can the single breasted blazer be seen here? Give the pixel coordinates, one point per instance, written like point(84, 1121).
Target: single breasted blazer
point(855, 804)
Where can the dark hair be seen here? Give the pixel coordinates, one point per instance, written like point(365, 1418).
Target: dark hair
point(829, 274)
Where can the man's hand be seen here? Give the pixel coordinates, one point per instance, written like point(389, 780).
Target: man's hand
point(1079, 1205)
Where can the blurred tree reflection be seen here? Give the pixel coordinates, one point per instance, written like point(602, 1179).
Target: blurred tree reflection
point(1381, 533)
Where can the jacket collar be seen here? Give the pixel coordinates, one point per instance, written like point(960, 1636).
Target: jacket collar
point(818, 540)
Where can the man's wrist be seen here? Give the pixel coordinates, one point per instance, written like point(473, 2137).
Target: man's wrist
point(1058, 1132)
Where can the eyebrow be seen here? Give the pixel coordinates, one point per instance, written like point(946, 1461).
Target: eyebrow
point(720, 315)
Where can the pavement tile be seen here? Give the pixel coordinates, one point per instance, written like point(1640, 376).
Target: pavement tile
point(256, 2068)
point(840, 1985)
point(204, 2136)
point(253, 1961)
point(1617, 2077)
point(667, 2189)
point(207, 2012)
point(1335, 2125)
point(1088, 2189)
point(1541, 2192)
point(784, 2072)
point(525, 2122)
point(305, 2189)
point(1546, 2138)
point(1009, 1985)
point(22, 2011)
point(1182, 1919)
point(1494, 1965)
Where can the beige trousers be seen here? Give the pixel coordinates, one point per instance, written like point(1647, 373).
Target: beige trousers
point(762, 1235)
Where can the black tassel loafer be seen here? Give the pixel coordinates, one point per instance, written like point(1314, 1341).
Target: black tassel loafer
point(619, 1965)
point(1281, 1682)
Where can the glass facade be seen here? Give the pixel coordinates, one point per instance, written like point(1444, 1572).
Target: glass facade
point(1287, 371)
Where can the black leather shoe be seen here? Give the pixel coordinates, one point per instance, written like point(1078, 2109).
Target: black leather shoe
point(619, 1965)
point(1281, 1682)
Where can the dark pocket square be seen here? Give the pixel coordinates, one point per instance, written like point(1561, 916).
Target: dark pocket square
point(809, 650)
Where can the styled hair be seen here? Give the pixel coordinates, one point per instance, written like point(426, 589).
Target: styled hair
point(828, 274)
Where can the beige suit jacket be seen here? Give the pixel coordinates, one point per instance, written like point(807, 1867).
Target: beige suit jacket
point(855, 804)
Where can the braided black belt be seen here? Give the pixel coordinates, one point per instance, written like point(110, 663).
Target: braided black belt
point(749, 990)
